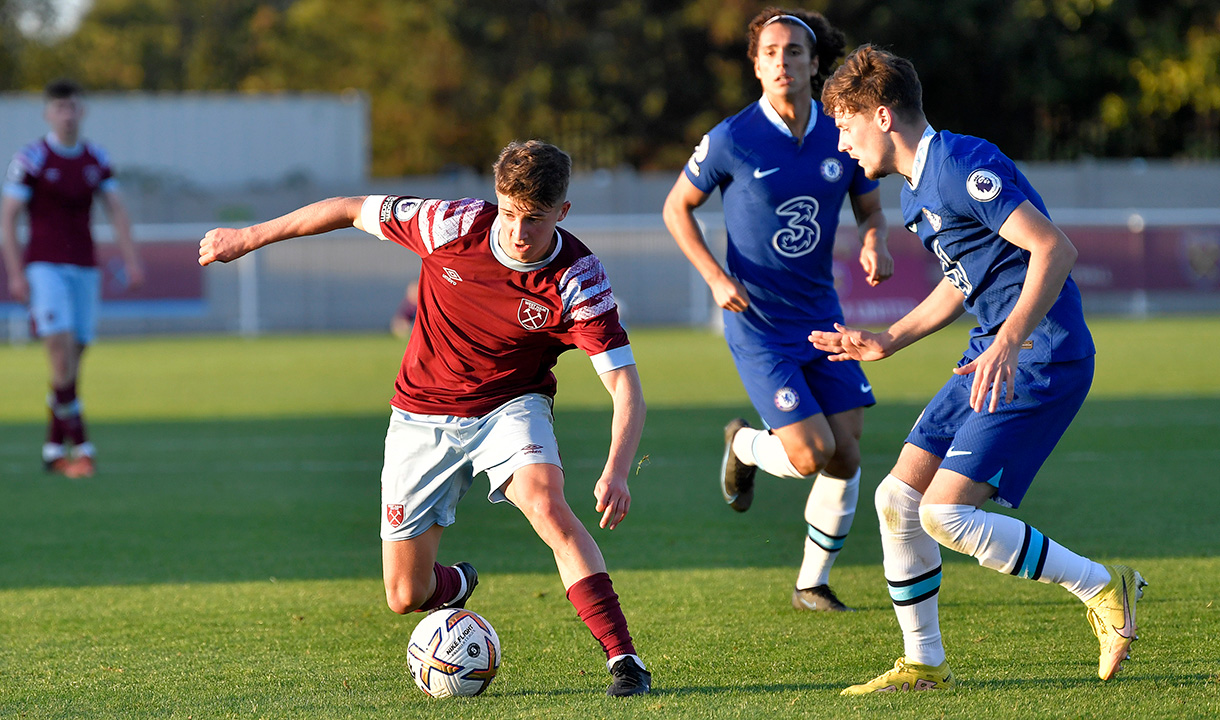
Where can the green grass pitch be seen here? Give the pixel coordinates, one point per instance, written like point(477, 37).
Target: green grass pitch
point(225, 562)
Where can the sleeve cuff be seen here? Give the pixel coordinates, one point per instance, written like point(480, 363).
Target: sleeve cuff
point(612, 359)
point(370, 215)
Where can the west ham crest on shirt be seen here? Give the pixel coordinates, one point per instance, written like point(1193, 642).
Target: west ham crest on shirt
point(532, 315)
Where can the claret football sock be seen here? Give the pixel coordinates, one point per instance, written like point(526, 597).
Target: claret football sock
point(450, 583)
point(66, 409)
point(55, 426)
point(597, 605)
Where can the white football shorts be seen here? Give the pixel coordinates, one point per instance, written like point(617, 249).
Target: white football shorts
point(431, 460)
point(64, 298)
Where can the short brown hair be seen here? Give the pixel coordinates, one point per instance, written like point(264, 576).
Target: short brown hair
point(870, 78)
point(533, 173)
point(828, 46)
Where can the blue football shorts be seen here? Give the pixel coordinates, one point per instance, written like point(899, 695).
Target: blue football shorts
point(1005, 448)
point(790, 383)
point(64, 298)
point(431, 460)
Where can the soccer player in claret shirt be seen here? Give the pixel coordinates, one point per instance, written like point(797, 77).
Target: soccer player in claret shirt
point(1023, 377)
point(502, 292)
point(54, 180)
point(784, 181)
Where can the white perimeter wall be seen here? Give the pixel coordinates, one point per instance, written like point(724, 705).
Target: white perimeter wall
point(208, 140)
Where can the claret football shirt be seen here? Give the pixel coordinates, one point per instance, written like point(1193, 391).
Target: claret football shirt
point(58, 184)
point(490, 329)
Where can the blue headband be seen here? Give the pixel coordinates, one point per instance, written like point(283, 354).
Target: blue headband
point(798, 21)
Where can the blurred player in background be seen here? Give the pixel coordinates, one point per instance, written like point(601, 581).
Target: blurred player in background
point(502, 292)
point(783, 183)
point(1022, 379)
point(54, 180)
point(404, 315)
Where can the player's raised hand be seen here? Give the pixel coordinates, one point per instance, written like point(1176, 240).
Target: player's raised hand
point(223, 245)
point(851, 344)
point(135, 274)
point(613, 500)
point(878, 264)
point(18, 287)
point(730, 294)
point(994, 368)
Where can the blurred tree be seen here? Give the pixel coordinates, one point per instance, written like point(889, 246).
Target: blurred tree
point(19, 19)
point(1058, 79)
point(153, 45)
point(427, 109)
point(637, 82)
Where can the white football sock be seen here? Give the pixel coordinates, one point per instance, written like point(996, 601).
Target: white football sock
point(52, 452)
point(829, 512)
point(761, 448)
point(1007, 545)
point(912, 570)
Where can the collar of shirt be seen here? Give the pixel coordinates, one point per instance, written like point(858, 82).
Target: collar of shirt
point(921, 156)
point(64, 150)
point(506, 261)
point(773, 115)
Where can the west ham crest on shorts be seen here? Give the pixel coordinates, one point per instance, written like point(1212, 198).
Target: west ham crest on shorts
point(394, 514)
point(532, 315)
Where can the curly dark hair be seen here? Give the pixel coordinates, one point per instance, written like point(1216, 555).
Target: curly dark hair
point(829, 46)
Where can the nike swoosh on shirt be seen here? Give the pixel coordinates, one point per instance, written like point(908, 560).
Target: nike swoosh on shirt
point(865, 387)
point(760, 173)
point(955, 453)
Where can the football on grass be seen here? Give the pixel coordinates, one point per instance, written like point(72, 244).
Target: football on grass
point(453, 653)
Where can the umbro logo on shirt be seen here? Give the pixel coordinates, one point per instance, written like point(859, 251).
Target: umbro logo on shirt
point(452, 276)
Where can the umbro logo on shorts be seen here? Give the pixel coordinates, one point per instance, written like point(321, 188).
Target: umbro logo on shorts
point(531, 450)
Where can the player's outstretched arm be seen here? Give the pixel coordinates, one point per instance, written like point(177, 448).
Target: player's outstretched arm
point(875, 255)
point(941, 307)
point(626, 426)
point(1051, 257)
point(226, 244)
point(679, 216)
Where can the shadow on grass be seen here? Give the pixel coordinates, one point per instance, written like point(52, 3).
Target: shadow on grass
point(190, 501)
point(689, 691)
